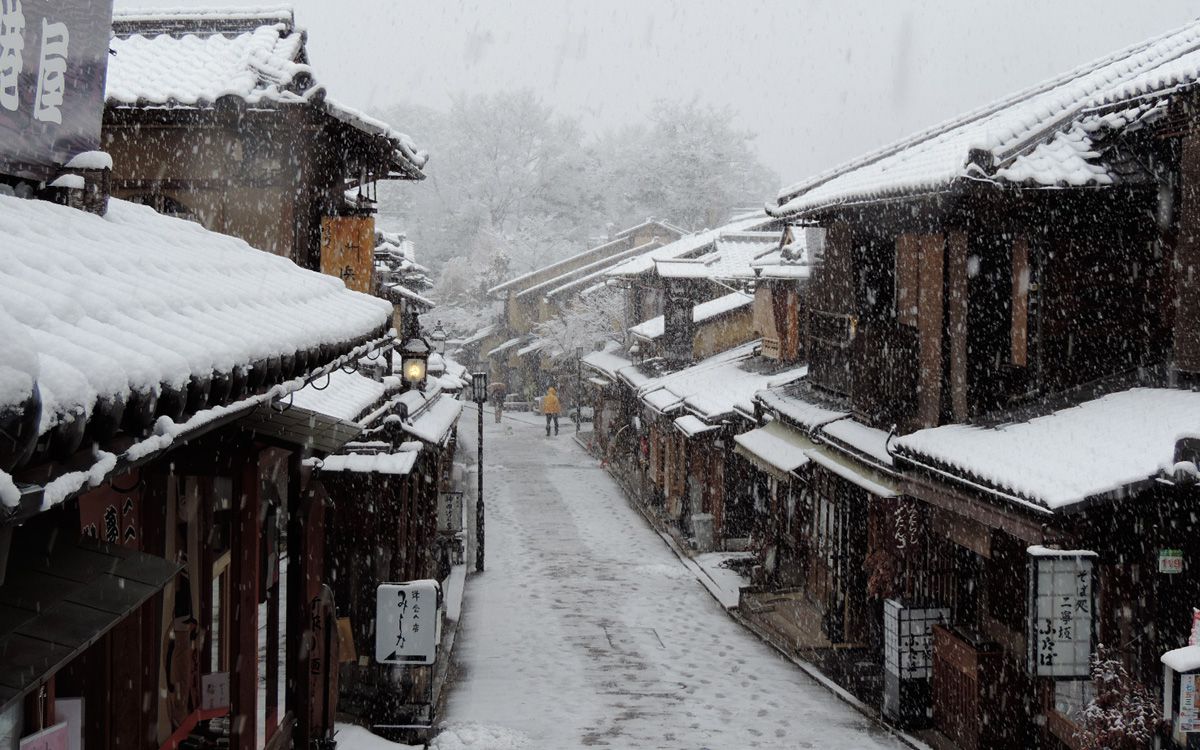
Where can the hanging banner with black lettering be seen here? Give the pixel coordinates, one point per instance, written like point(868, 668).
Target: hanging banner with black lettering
point(53, 63)
point(1061, 612)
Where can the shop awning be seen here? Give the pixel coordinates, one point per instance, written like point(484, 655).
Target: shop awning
point(775, 448)
point(433, 425)
point(875, 482)
point(692, 426)
point(59, 597)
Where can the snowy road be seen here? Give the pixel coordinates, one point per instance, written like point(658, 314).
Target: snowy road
point(586, 630)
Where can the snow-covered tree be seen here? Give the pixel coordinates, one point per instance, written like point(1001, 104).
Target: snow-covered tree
point(690, 165)
point(585, 322)
point(1123, 715)
point(505, 170)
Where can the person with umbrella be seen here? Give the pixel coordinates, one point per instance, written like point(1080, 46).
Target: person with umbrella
point(496, 392)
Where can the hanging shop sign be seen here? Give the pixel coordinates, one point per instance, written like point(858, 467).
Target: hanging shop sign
point(1061, 612)
point(111, 514)
point(406, 622)
point(1189, 709)
point(1194, 633)
point(53, 62)
point(348, 250)
point(450, 507)
point(1170, 561)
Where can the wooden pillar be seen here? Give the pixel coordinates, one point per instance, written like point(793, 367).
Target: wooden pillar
point(1187, 260)
point(297, 700)
point(244, 542)
point(957, 304)
point(929, 324)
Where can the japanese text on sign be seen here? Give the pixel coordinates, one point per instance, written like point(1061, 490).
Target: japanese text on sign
point(908, 638)
point(1189, 710)
point(53, 59)
point(406, 622)
point(1061, 613)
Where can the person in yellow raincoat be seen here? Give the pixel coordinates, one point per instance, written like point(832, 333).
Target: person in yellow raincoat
point(551, 407)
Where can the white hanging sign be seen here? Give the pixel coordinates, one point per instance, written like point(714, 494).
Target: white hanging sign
point(406, 622)
point(1061, 612)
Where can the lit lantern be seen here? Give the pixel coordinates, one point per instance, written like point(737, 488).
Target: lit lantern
point(414, 358)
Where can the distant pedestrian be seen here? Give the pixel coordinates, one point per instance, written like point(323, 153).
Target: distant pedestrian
point(497, 391)
point(551, 408)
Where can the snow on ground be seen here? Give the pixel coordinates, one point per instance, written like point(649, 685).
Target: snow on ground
point(354, 737)
point(586, 629)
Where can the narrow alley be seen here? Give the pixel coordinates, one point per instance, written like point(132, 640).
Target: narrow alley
point(586, 630)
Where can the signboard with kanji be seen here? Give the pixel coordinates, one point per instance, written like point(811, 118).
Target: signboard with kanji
point(111, 514)
point(908, 638)
point(1061, 612)
point(406, 622)
point(450, 507)
point(1189, 709)
point(53, 62)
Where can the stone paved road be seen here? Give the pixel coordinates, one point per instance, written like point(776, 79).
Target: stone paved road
point(587, 631)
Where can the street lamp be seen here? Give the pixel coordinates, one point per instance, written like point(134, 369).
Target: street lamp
point(578, 388)
point(414, 360)
point(438, 337)
point(479, 386)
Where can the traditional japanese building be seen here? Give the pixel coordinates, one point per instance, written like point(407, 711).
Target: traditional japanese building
point(999, 387)
point(219, 118)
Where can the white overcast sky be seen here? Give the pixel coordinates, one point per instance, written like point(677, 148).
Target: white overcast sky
point(820, 81)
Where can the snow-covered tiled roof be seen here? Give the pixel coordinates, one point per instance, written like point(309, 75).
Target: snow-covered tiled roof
point(505, 346)
point(705, 311)
point(404, 292)
point(523, 281)
point(585, 275)
point(194, 58)
point(434, 423)
point(799, 410)
point(345, 395)
point(1059, 460)
point(131, 301)
point(1047, 126)
point(609, 363)
point(715, 387)
point(690, 245)
point(258, 65)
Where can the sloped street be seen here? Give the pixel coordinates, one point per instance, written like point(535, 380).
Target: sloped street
point(586, 630)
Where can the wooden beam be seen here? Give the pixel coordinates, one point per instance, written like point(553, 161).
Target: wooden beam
point(297, 699)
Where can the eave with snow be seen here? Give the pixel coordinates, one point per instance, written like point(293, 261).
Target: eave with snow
point(137, 332)
point(204, 103)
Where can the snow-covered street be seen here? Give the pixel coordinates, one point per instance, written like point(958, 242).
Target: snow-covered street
point(586, 630)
